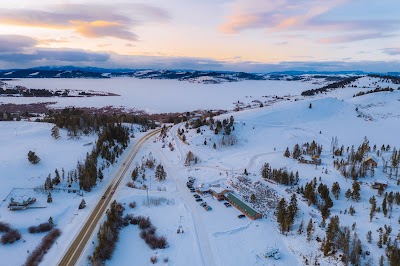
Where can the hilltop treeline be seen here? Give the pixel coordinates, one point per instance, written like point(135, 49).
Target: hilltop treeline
point(395, 80)
point(77, 121)
point(361, 93)
point(333, 86)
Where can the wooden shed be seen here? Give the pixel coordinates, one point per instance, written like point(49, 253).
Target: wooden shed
point(371, 161)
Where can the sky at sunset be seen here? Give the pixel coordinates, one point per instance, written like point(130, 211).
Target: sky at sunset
point(240, 35)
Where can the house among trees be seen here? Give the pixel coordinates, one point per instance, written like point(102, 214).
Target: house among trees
point(379, 184)
point(371, 162)
point(310, 160)
point(243, 207)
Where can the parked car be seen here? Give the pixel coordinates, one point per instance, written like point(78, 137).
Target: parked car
point(203, 204)
point(198, 199)
point(241, 216)
point(209, 208)
point(196, 195)
point(227, 204)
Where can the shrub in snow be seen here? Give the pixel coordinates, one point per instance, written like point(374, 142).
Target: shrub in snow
point(33, 158)
point(153, 259)
point(44, 227)
point(4, 227)
point(37, 255)
point(10, 237)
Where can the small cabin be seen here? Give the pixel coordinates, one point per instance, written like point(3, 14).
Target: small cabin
point(379, 184)
point(371, 162)
point(312, 160)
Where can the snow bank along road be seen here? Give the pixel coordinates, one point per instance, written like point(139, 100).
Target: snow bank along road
point(72, 255)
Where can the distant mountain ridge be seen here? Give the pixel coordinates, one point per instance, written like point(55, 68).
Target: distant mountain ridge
point(196, 76)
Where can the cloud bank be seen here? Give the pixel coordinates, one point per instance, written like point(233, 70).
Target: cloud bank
point(91, 21)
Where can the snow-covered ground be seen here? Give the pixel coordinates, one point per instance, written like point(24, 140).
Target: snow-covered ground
point(19, 178)
point(216, 237)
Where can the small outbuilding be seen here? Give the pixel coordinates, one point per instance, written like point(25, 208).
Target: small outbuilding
point(371, 161)
point(379, 184)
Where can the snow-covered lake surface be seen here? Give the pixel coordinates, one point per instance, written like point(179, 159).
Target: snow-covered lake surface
point(159, 96)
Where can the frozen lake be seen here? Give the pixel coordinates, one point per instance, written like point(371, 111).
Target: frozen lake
point(156, 96)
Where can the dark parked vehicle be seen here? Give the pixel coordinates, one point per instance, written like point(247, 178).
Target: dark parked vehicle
point(227, 204)
point(241, 216)
point(196, 196)
point(198, 199)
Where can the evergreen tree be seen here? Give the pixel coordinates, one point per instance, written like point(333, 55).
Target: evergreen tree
point(55, 132)
point(336, 190)
point(372, 200)
point(135, 174)
point(100, 174)
point(384, 206)
point(296, 151)
point(82, 205)
point(356, 191)
point(252, 198)
point(56, 180)
point(160, 173)
point(281, 214)
point(369, 236)
point(300, 229)
point(51, 222)
point(48, 184)
point(49, 198)
point(287, 152)
point(310, 229)
point(348, 194)
point(381, 261)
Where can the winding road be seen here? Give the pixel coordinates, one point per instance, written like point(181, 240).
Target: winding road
point(72, 255)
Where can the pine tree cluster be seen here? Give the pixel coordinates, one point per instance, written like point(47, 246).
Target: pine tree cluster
point(285, 214)
point(281, 176)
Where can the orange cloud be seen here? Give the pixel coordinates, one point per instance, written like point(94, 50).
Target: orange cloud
point(101, 28)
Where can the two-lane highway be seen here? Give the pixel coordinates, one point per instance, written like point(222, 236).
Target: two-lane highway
point(74, 252)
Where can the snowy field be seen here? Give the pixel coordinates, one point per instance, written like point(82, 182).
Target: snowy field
point(159, 96)
point(216, 237)
point(19, 178)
